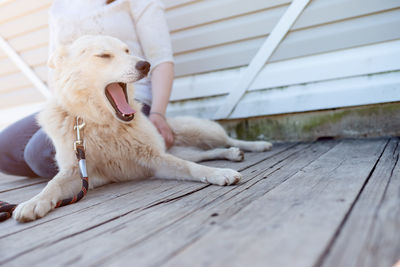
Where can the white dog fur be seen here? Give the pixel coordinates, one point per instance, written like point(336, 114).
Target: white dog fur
point(117, 150)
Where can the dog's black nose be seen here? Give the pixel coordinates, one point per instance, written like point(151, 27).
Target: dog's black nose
point(143, 67)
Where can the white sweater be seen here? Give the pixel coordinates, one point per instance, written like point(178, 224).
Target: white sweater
point(140, 24)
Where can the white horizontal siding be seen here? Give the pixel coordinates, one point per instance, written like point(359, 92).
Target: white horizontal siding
point(23, 23)
point(346, 92)
point(261, 22)
point(10, 115)
point(376, 58)
point(335, 35)
point(18, 80)
point(205, 12)
point(350, 77)
point(18, 8)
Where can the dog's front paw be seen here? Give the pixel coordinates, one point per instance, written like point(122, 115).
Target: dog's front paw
point(32, 209)
point(223, 177)
point(260, 146)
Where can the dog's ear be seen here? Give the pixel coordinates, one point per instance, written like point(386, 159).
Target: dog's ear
point(57, 56)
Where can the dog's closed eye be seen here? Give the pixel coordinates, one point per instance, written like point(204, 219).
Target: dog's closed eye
point(105, 55)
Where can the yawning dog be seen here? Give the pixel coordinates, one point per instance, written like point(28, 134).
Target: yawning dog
point(93, 80)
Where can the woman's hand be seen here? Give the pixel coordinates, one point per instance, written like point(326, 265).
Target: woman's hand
point(163, 128)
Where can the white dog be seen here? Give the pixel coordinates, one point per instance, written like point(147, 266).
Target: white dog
point(93, 80)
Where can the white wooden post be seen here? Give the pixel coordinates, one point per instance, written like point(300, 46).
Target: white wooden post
point(264, 53)
point(25, 68)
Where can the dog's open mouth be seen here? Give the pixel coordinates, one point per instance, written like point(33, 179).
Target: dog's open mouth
point(116, 94)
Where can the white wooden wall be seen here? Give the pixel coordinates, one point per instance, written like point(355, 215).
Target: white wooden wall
point(327, 60)
point(339, 53)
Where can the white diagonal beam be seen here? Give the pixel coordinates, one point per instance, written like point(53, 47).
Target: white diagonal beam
point(263, 54)
point(26, 70)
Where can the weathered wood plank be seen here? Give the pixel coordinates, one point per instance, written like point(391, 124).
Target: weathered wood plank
point(290, 225)
point(281, 210)
point(131, 197)
point(106, 193)
point(252, 159)
point(154, 223)
point(369, 236)
point(211, 216)
point(10, 183)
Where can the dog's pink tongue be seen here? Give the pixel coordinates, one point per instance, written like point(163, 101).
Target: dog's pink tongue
point(117, 94)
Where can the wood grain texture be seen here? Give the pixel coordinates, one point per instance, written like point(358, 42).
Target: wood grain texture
point(130, 197)
point(369, 236)
point(148, 221)
point(9, 182)
point(291, 224)
point(327, 203)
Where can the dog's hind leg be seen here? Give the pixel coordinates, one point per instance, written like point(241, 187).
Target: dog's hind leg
point(196, 154)
point(170, 167)
point(253, 146)
point(206, 134)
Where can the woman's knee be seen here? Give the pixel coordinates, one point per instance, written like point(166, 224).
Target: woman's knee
point(13, 140)
point(12, 158)
point(39, 154)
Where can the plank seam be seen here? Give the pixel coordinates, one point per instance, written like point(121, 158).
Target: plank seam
point(62, 216)
point(96, 225)
point(20, 187)
point(326, 251)
point(234, 213)
point(154, 204)
point(70, 235)
point(157, 203)
point(285, 180)
point(141, 209)
point(378, 207)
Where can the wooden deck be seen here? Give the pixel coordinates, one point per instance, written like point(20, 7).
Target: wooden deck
point(326, 203)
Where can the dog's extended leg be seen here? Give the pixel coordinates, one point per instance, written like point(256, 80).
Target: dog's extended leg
point(197, 154)
point(205, 134)
point(253, 146)
point(65, 184)
point(170, 167)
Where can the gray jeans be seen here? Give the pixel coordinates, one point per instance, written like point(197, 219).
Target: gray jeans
point(26, 150)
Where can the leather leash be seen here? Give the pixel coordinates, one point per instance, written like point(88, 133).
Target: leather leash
point(6, 209)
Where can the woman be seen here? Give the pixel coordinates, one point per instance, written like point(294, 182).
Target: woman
point(25, 149)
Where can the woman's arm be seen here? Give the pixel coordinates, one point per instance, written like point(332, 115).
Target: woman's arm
point(152, 30)
point(161, 82)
